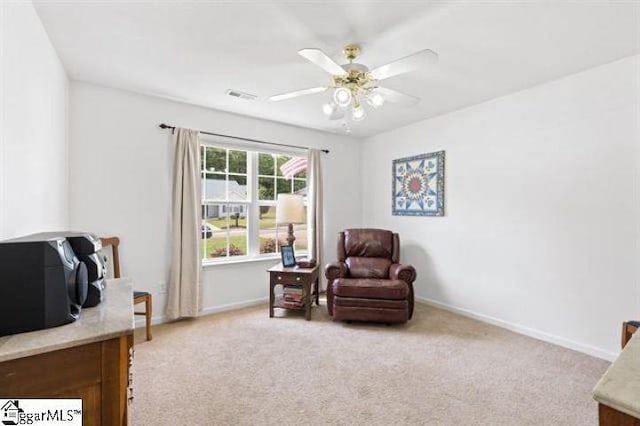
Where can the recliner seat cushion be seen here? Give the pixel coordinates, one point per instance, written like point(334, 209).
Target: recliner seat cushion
point(368, 267)
point(370, 288)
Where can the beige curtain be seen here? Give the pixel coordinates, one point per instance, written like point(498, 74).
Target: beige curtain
point(184, 283)
point(314, 209)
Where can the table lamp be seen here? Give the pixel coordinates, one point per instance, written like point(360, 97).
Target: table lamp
point(290, 211)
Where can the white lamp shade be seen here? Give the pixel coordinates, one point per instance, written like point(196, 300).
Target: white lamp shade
point(342, 96)
point(328, 109)
point(358, 113)
point(290, 209)
point(375, 99)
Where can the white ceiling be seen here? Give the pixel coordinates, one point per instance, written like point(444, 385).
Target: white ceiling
point(193, 51)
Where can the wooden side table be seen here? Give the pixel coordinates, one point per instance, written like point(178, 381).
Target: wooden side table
point(278, 274)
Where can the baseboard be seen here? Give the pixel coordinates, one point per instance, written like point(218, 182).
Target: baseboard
point(155, 320)
point(232, 306)
point(536, 334)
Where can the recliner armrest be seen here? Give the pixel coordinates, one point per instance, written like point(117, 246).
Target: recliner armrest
point(406, 273)
point(335, 270)
point(332, 272)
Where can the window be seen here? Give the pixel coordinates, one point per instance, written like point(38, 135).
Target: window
point(271, 182)
point(239, 192)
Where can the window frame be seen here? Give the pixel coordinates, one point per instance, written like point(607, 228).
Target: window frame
point(253, 202)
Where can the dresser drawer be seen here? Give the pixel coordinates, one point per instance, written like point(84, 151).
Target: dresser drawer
point(45, 374)
point(286, 278)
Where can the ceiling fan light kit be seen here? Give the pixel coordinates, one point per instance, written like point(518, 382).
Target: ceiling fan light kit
point(354, 84)
point(329, 109)
point(375, 99)
point(358, 113)
point(342, 96)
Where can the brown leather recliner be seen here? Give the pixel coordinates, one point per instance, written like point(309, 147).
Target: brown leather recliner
point(368, 283)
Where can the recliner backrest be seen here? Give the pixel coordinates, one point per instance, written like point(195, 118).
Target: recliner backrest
point(368, 253)
point(368, 243)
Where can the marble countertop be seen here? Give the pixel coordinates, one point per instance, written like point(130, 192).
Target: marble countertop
point(110, 319)
point(619, 388)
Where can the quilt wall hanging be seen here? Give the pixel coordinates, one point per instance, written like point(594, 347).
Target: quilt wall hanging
point(418, 185)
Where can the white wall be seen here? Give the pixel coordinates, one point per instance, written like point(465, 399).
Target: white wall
point(120, 180)
point(33, 126)
point(542, 217)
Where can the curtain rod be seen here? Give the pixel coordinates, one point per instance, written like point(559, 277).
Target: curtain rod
point(173, 128)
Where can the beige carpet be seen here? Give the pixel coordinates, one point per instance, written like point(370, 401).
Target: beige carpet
point(244, 368)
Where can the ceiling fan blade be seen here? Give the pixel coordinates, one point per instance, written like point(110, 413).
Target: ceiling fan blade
point(397, 97)
point(303, 92)
point(406, 64)
point(337, 114)
point(319, 58)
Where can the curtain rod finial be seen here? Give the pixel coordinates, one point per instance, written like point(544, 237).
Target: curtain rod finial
point(166, 126)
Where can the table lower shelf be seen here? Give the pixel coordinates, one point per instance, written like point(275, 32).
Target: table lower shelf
point(279, 302)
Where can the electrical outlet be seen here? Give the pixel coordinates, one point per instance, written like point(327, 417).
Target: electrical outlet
point(162, 287)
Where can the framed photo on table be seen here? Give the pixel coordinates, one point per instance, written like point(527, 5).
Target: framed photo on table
point(288, 256)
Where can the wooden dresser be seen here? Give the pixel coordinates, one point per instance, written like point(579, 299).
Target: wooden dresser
point(618, 391)
point(88, 359)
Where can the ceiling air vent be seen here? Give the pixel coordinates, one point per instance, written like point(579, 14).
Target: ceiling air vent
point(242, 95)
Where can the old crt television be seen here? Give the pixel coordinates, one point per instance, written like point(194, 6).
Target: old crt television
point(43, 284)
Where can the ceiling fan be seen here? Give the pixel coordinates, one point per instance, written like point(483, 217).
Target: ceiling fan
point(353, 83)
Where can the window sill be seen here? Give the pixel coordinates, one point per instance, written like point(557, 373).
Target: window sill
point(214, 263)
point(207, 264)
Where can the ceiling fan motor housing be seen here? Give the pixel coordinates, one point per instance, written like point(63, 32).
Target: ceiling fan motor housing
point(356, 78)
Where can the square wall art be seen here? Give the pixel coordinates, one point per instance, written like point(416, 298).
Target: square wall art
point(418, 185)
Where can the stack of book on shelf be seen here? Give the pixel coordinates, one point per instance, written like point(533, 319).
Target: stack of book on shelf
point(292, 296)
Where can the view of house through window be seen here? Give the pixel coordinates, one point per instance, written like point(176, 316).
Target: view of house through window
point(239, 193)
